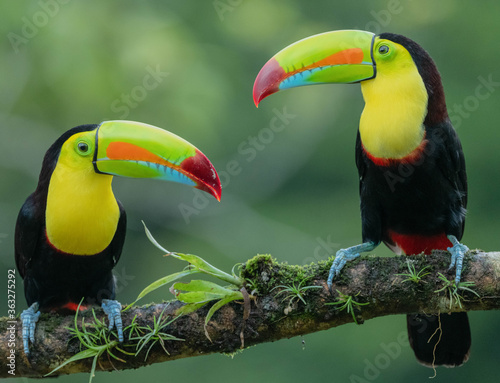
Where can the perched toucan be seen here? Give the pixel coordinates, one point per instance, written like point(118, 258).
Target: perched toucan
point(70, 231)
point(413, 185)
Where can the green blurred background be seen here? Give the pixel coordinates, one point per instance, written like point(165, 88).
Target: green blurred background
point(291, 193)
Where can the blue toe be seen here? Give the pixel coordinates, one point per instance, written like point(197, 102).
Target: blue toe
point(346, 255)
point(113, 309)
point(29, 317)
point(457, 251)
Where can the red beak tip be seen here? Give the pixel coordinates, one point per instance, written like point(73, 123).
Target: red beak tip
point(214, 190)
point(258, 96)
point(267, 81)
point(201, 170)
point(256, 102)
point(255, 95)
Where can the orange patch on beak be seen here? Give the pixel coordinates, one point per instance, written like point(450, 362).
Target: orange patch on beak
point(131, 152)
point(347, 56)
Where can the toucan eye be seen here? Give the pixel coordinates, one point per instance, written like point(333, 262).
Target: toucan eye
point(83, 147)
point(383, 49)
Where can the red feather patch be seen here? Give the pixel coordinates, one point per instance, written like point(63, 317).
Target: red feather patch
point(413, 158)
point(416, 244)
point(73, 306)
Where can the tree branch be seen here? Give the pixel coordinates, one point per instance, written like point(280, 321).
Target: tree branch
point(370, 279)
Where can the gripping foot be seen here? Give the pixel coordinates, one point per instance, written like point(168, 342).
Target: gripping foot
point(457, 251)
point(346, 255)
point(113, 309)
point(29, 317)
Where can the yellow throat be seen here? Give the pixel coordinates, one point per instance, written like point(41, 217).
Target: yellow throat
point(391, 124)
point(82, 213)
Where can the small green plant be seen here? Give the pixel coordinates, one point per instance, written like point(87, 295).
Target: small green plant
point(453, 290)
point(295, 292)
point(145, 335)
point(413, 275)
point(347, 302)
point(95, 338)
point(252, 286)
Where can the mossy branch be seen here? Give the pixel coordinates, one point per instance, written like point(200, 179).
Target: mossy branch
point(371, 280)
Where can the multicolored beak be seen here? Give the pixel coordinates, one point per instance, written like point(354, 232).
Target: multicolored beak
point(331, 57)
point(134, 149)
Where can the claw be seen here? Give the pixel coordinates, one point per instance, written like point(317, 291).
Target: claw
point(341, 258)
point(457, 251)
point(113, 309)
point(29, 317)
point(346, 255)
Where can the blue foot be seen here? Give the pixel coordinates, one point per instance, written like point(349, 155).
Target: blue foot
point(29, 317)
point(113, 310)
point(346, 255)
point(457, 251)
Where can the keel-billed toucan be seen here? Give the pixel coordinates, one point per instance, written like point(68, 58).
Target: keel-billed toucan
point(413, 185)
point(70, 231)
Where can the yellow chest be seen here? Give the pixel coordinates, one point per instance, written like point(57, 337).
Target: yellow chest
point(82, 213)
point(391, 125)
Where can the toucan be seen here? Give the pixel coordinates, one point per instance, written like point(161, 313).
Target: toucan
point(412, 178)
point(70, 231)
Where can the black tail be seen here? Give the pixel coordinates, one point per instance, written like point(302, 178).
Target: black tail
point(453, 340)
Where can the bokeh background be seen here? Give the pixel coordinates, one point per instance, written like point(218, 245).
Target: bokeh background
point(292, 192)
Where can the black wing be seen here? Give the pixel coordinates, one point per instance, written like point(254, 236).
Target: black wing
point(451, 163)
point(116, 245)
point(371, 223)
point(29, 231)
point(360, 161)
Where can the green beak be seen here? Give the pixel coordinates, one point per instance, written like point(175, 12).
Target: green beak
point(331, 57)
point(134, 149)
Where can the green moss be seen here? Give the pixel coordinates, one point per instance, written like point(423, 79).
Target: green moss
point(3, 326)
point(51, 322)
point(263, 273)
point(256, 264)
point(258, 272)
